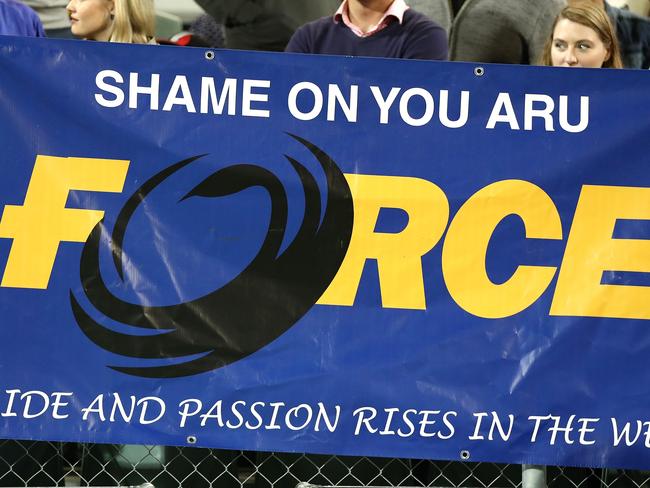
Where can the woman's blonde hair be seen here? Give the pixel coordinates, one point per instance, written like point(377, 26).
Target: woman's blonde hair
point(596, 19)
point(133, 21)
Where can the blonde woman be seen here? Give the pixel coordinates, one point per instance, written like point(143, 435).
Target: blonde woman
point(128, 21)
point(582, 36)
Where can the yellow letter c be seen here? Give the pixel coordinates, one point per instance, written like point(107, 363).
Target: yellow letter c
point(468, 237)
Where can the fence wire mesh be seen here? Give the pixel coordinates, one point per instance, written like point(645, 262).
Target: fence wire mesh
point(69, 464)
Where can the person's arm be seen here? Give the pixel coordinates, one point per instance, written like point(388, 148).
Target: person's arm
point(428, 42)
point(38, 28)
point(32, 22)
point(299, 42)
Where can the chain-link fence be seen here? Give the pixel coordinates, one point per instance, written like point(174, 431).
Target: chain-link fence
point(70, 464)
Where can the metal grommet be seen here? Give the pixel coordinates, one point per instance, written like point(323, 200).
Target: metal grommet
point(209, 55)
point(479, 71)
point(191, 439)
point(464, 455)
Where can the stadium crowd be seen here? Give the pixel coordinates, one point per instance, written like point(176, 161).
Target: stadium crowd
point(589, 33)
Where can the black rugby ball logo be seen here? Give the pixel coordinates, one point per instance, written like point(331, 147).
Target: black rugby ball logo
point(267, 298)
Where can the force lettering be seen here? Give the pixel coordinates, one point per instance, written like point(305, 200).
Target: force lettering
point(42, 222)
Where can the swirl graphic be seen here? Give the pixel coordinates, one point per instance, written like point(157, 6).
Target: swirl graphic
point(267, 298)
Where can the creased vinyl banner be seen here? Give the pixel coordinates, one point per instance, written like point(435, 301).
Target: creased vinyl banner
point(324, 254)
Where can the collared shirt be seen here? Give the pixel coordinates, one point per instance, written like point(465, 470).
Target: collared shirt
point(394, 12)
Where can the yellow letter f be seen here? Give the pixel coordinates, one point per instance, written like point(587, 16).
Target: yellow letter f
point(42, 222)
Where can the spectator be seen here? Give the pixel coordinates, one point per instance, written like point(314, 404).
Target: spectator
point(583, 37)
point(502, 31)
point(54, 17)
point(264, 25)
point(17, 19)
point(383, 28)
point(633, 33)
point(128, 21)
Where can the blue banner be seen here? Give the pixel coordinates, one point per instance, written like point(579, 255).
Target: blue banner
point(324, 254)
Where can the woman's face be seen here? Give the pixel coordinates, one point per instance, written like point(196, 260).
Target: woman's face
point(91, 19)
point(577, 45)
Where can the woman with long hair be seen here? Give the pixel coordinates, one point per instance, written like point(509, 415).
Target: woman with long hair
point(582, 36)
point(128, 21)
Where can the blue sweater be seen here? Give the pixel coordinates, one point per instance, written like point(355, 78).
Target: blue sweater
point(17, 19)
point(416, 37)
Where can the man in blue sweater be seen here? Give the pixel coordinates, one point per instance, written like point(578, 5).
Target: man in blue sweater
point(379, 28)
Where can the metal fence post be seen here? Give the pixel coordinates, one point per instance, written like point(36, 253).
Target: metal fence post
point(533, 476)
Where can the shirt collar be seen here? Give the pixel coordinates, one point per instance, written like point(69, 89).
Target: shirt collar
point(396, 10)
